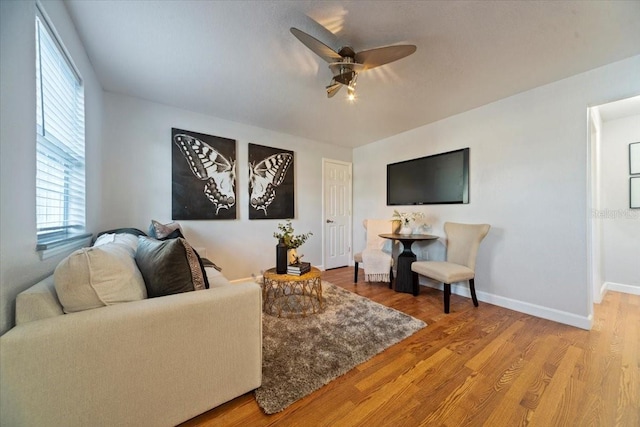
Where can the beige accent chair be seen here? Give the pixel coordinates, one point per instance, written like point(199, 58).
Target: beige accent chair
point(463, 241)
point(357, 258)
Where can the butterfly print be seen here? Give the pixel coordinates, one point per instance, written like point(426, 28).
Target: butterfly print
point(218, 172)
point(264, 177)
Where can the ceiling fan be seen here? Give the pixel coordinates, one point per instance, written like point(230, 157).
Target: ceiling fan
point(345, 64)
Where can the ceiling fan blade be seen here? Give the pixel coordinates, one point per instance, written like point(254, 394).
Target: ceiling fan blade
point(383, 55)
point(333, 88)
point(316, 46)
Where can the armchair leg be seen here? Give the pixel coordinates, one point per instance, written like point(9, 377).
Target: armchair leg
point(355, 274)
point(472, 287)
point(447, 297)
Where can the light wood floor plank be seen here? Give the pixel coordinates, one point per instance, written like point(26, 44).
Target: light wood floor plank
point(484, 366)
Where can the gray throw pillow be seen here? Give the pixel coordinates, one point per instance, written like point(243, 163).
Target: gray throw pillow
point(168, 267)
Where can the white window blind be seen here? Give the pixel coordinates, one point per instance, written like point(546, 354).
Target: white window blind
point(60, 170)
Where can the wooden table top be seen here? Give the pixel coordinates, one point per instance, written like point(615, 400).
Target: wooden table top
point(397, 236)
point(272, 275)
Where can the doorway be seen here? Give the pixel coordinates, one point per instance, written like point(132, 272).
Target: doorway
point(613, 225)
point(336, 213)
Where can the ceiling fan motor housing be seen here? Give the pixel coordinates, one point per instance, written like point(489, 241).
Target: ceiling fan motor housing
point(347, 52)
point(346, 63)
point(343, 70)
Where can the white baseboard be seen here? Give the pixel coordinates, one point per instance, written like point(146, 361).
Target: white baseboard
point(583, 322)
point(603, 291)
point(619, 287)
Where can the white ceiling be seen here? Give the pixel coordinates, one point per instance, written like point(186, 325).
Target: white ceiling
point(237, 60)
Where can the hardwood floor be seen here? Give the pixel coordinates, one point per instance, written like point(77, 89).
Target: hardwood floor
point(476, 366)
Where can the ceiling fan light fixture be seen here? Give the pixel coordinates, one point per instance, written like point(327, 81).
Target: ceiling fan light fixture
point(351, 88)
point(347, 63)
point(351, 93)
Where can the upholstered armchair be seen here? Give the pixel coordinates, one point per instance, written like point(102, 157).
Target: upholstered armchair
point(463, 241)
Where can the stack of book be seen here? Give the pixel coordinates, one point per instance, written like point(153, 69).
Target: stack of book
point(299, 268)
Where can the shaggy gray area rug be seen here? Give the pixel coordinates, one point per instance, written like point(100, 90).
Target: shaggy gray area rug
point(301, 355)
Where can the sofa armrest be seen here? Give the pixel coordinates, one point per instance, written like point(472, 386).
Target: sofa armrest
point(40, 301)
point(154, 362)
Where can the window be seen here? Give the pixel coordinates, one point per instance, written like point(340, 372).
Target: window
point(60, 167)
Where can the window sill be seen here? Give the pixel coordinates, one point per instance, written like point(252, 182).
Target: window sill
point(65, 246)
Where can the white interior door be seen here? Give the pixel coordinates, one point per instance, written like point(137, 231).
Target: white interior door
point(336, 184)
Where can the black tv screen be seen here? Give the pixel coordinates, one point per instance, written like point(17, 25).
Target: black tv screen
point(438, 179)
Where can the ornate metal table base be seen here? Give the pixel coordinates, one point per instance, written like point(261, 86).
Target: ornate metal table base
point(286, 295)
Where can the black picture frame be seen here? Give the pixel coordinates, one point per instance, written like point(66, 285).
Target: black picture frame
point(203, 176)
point(271, 183)
point(634, 192)
point(634, 158)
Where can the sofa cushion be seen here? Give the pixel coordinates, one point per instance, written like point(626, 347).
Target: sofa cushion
point(215, 278)
point(98, 276)
point(169, 267)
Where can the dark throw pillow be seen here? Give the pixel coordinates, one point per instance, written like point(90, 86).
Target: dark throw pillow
point(202, 266)
point(168, 267)
point(208, 263)
point(173, 235)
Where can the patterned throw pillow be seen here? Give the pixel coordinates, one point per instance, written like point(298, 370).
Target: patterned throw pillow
point(169, 267)
point(165, 231)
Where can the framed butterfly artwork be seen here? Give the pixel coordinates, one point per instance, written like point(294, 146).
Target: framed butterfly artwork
point(271, 183)
point(203, 176)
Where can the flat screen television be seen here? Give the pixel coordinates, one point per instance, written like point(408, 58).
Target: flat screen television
point(431, 180)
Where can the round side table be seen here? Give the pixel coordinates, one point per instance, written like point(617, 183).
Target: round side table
point(288, 295)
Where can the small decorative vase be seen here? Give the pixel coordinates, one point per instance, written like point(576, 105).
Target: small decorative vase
point(405, 229)
point(292, 255)
point(281, 257)
point(396, 224)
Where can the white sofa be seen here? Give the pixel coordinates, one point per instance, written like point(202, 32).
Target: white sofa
point(154, 362)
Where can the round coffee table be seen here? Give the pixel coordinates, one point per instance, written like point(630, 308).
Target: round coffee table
point(287, 295)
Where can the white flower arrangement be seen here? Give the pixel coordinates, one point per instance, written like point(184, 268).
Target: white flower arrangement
point(407, 218)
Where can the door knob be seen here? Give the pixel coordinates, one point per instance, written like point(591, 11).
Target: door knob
point(329, 221)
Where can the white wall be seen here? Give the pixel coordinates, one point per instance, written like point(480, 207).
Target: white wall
point(528, 176)
point(20, 265)
point(137, 176)
point(620, 225)
point(594, 200)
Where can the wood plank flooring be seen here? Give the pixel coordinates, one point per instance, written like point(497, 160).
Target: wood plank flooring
point(485, 366)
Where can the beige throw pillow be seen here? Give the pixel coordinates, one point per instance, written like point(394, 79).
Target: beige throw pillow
point(98, 276)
